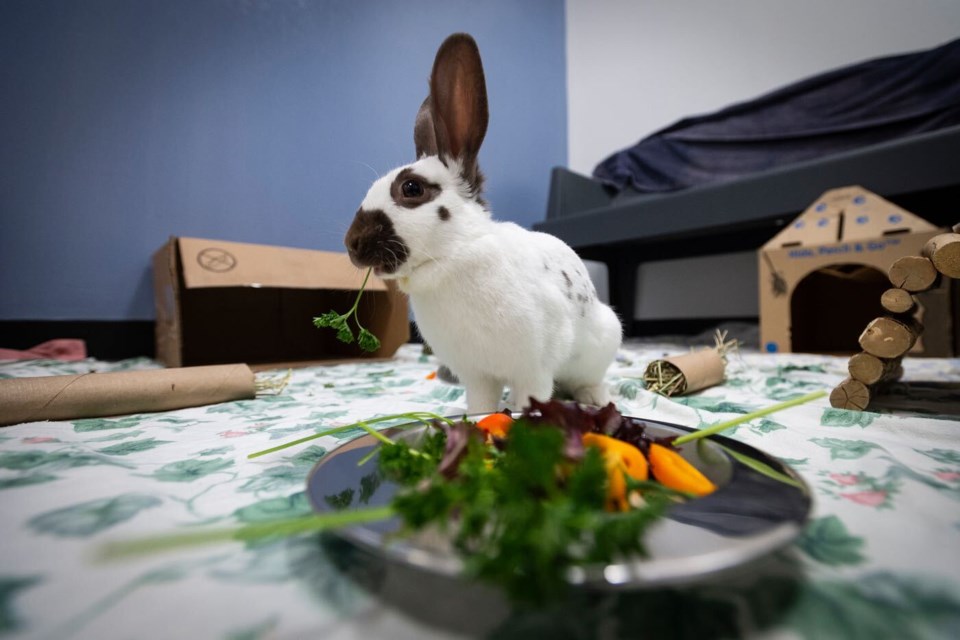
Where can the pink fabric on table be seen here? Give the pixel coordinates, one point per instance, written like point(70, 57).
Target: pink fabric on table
point(66, 349)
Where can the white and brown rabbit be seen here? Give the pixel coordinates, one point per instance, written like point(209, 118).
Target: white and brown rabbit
point(500, 305)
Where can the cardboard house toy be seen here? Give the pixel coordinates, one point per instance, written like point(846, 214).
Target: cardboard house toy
point(231, 302)
point(822, 277)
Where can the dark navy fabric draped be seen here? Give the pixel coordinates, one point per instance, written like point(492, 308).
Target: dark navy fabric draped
point(839, 110)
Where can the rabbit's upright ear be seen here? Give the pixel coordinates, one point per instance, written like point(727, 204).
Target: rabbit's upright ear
point(458, 103)
point(423, 136)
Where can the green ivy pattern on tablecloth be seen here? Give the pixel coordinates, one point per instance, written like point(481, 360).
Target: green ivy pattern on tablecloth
point(880, 557)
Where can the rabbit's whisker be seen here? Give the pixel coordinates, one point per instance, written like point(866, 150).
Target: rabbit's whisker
point(368, 167)
point(432, 258)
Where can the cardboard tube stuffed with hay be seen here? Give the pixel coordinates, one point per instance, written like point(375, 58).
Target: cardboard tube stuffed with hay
point(124, 392)
point(686, 373)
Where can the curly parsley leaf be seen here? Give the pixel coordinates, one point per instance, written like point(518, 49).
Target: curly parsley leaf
point(522, 518)
point(329, 319)
point(368, 341)
point(340, 322)
point(406, 465)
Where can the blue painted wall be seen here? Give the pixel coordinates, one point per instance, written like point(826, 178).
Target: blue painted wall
point(124, 122)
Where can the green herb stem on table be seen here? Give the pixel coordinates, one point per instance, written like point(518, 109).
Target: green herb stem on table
point(747, 417)
point(412, 419)
point(247, 533)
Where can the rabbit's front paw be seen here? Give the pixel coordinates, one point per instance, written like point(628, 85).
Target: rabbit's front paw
point(595, 394)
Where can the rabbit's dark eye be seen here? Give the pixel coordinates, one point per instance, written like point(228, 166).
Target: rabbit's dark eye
point(411, 189)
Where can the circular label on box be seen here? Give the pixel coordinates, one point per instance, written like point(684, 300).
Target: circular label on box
point(216, 260)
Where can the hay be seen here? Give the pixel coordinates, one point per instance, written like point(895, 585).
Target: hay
point(692, 371)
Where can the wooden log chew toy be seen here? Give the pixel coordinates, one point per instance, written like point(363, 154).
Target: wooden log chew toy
point(897, 300)
point(890, 337)
point(943, 251)
point(886, 340)
point(850, 394)
point(868, 376)
point(869, 369)
point(856, 394)
point(913, 273)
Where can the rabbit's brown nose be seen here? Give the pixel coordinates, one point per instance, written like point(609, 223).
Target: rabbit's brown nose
point(353, 244)
point(372, 241)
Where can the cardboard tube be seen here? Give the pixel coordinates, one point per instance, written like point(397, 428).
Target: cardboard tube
point(701, 369)
point(124, 392)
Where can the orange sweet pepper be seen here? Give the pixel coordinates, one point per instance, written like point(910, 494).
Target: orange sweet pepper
point(619, 458)
point(496, 424)
point(670, 469)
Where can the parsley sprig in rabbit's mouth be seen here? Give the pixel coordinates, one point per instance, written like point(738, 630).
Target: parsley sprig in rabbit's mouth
point(341, 323)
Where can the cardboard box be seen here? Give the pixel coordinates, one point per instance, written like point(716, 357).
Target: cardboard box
point(822, 276)
point(231, 302)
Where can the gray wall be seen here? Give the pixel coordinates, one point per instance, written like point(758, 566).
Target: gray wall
point(123, 122)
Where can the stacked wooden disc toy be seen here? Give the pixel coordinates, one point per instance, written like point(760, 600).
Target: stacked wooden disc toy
point(887, 339)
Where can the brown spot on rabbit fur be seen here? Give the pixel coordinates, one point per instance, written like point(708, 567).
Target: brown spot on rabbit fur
point(428, 190)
